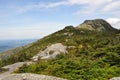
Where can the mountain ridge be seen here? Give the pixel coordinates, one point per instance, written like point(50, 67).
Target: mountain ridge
point(64, 35)
point(98, 25)
point(93, 55)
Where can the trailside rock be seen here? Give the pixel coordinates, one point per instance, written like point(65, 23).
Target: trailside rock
point(30, 76)
point(51, 52)
point(11, 68)
point(115, 78)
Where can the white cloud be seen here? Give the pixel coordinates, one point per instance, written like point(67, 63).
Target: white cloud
point(89, 7)
point(89, 2)
point(79, 2)
point(112, 6)
point(52, 5)
point(115, 22)
point(40, 6)
point(86, 6)
point(49, 5)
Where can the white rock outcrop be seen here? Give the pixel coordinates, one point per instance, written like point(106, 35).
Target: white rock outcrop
point(51, 52)
point(115, 78)
point(30, 76)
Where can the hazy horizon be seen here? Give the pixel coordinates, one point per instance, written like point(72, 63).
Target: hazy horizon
point(9, 44)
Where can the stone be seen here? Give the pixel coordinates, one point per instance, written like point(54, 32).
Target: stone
point(115, 78)
point(30, 76)
point(51, 52)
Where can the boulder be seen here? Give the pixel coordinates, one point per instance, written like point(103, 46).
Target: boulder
point(29, 76)
point(51, 52)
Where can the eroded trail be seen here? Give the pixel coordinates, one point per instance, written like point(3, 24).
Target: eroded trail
point(12, 68)
point(23, 76)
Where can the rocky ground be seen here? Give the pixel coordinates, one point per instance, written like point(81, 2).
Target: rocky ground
point(24, 76)
point(115, 78)
point(29, 76)
point(11, 68)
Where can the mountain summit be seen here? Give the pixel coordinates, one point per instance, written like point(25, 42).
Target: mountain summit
point(98, 25)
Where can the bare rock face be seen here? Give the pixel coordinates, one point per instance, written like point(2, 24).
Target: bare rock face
point(115, 78)
point(51, 52)
point(30, 76)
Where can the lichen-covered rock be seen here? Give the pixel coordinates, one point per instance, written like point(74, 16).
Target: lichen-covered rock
point(11, 68)
point(30, 76)
point(51, 52)
point(115, 78)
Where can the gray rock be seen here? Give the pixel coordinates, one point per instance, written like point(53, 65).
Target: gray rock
point(12, 68)
point(51, 52)
point(115, 78)
point(30, 76)
point(23, 76)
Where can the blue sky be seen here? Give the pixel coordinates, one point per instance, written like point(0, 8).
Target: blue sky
point(25, 19)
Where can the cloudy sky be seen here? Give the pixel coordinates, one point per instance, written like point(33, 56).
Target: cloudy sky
point(25, 19)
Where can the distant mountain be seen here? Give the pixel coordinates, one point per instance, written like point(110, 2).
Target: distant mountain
point(9, 44)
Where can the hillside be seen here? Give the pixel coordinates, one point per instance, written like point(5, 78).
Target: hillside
point(92, 53)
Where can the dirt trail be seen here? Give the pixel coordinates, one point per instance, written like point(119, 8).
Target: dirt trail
point(24, 76)
point(12, 68)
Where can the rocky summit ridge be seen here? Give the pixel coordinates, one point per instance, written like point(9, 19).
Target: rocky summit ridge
point(97, 25)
